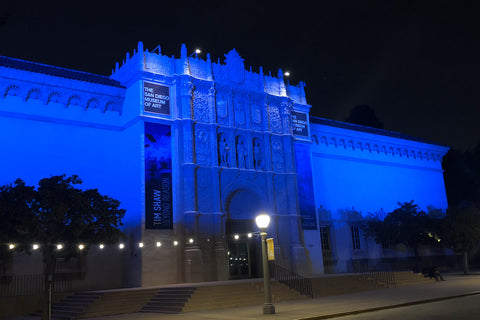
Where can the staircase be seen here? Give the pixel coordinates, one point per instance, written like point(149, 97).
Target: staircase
point(237, 295)
point(407, 278)
point(169, 300)
point(119, 302)
point(340, 284)
point(212, 295)
point(72, 306)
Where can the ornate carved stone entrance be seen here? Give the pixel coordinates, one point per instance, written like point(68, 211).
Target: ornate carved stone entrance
point(243, 253)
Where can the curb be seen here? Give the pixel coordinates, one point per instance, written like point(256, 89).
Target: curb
point(400, 305)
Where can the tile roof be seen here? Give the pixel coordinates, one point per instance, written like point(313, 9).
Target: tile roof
point(57, 71)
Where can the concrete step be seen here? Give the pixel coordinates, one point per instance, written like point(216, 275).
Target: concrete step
point(72, 306)
point(169, 300)
point(236, 295)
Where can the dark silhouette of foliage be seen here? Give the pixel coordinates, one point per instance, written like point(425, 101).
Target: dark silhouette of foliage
point(461, 230)
point(407, 225)
point(462, 182)
point(365, 116)
point(57, 212)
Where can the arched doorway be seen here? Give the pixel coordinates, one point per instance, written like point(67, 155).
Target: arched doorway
point(244, 253)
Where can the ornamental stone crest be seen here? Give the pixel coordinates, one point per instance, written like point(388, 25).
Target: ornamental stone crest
point(235, 67)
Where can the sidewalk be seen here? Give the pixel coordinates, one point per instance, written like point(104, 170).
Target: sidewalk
point(328, 307)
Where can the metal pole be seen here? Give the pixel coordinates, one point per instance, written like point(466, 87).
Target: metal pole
point(268, 307)
point(50, 279)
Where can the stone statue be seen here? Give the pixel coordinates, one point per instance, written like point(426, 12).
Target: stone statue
point(223, 149)
point(241, 154)
point(257, 155)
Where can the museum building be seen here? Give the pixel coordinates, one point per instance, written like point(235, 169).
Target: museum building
point(195, 150)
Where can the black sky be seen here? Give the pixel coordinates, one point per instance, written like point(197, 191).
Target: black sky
point(416, 63)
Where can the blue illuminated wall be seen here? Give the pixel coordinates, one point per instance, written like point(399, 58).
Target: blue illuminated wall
point(64, 122)
point(359, 171)
point(371, 172)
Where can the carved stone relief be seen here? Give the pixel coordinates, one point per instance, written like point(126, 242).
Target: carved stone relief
point(200, 103)
point(222, 109)
point(202, 145)
point(74, 100)
point(286, 109)
point(33, 93)
point(274, 119)
point(67, 97)
point(239, 112)
point(277, 155)
point(12, 90)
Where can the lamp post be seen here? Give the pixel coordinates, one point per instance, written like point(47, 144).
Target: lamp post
point(263, 221)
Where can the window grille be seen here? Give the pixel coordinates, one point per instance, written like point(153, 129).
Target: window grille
point(325, 238)
point(355, 238)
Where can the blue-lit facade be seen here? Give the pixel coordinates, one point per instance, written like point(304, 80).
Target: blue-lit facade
point(194, 150)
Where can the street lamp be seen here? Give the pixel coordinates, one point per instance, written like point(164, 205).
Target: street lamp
point(263, 221)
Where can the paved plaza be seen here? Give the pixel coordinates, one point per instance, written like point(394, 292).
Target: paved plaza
point(456, 285)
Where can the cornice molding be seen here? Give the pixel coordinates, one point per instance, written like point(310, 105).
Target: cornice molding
point(335, 143)
point(35, 91)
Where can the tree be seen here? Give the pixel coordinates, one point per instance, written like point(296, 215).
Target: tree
point(364, 115)
point(57, 212)
point(461, 230)
point(407, 225)
point(461, 178)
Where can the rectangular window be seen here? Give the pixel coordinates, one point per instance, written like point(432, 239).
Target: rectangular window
point(325, 238)
point(386, 246)
point(355, 238)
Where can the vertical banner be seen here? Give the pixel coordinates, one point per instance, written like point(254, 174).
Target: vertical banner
point(270, 249)
point(306, 196)
point(158, 177)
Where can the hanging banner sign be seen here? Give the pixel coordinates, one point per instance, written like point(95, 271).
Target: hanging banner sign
point(306, 197)
point(156, 98)
point(270, 250)
point(158, 177)
point(299, 124)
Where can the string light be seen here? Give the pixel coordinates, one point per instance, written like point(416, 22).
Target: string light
point(101, 246)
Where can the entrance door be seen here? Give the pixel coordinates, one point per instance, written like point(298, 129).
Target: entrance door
point(242, 250)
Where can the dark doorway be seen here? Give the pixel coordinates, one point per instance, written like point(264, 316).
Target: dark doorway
point(242, 251)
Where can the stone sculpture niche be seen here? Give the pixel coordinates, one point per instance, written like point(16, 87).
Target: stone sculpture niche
point(223, 150)
point(257, 154)
point(241, 153)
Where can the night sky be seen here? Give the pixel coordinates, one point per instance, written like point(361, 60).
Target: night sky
point(416, 63)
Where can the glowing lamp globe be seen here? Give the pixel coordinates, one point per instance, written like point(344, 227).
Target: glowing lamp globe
point(262, 221)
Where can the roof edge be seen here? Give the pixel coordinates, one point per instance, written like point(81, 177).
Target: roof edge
point(37, 67)
point(383, 132)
